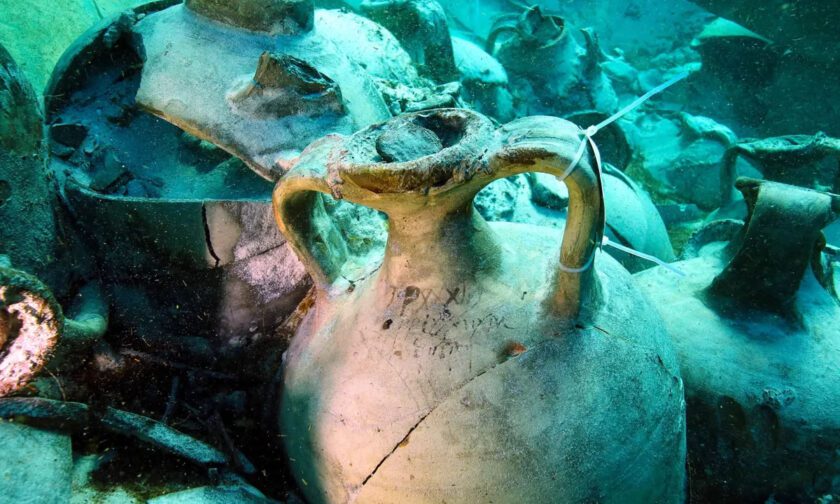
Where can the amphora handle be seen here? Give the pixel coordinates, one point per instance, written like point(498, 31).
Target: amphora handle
point(782, 229)
point(436, 162)
point(558, 147)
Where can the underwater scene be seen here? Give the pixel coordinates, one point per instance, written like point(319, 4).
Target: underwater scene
point(419, 251)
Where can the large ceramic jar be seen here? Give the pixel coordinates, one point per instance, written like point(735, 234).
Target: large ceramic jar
point(759, 345)
point(476, 362)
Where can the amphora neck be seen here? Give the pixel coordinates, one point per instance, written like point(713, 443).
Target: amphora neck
point(420, 171)
point(423, 170)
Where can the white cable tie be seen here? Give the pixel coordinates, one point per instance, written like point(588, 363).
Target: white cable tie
point(606, 242)
point(586, 266)
point(574, 163)
point(588, 133)
point(638, 101)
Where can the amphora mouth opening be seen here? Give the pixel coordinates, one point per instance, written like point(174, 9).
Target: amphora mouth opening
point(417, 152)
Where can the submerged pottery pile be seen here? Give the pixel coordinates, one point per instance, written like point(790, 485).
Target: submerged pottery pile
point(377, 252)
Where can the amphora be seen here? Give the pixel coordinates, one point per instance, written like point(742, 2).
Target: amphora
point(476, 362)
point(759, 346)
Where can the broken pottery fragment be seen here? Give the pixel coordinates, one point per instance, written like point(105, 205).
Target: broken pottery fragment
point(275, 75)
point(426, 379)
point(224, 494)
point(421, 28)
point(728, 48)
point(758, 340)
point(286, 17)
point(806, 28)
point(811, 161)
point(72, 416)
point(284, 85)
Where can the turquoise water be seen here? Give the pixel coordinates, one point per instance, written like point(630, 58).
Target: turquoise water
point(419, 251)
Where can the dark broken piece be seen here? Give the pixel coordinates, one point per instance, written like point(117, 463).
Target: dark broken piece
point(791, 159)
point(271, 16)
point(790, 218)
point(422, 29)
point(48, 413)
point(74, 416)
point(241, 493)
point(285, 85)
point(161, 436)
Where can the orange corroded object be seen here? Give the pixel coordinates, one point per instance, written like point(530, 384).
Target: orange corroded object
point(476, 362)
point(31, 322)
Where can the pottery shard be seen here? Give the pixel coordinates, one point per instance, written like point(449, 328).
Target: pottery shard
point(286, 85)
point(283, 70)
point(272, 16)
point(74, 416)
point(406, 143)
point(239, 494)
point(47, 413)
point(162, 436)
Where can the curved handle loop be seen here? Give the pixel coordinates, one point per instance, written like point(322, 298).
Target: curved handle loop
point(443, 158)
point(302, 218)
point(555, 146)
point(781, 232)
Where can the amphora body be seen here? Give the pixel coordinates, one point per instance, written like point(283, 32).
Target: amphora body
point(758, 340)
point(472, 364)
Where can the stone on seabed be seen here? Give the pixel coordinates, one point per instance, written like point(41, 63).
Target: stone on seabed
point(36, 465)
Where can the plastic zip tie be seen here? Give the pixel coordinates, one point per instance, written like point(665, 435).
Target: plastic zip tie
point(588, 133)
point(638, 101)
point(574, 163)
point(586, 266)
point(608, 243)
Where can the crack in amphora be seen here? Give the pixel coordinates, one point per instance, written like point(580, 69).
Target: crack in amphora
point(354, 492)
